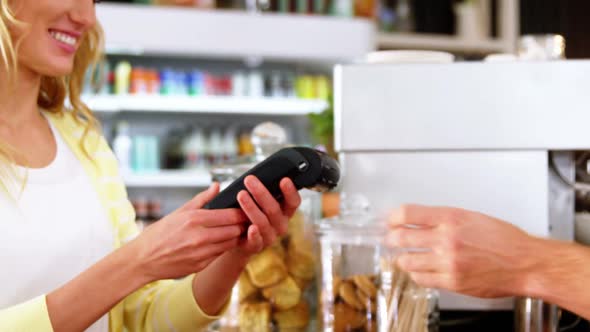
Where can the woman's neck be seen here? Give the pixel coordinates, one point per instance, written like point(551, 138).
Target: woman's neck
point(22, 127)
point(18, 98)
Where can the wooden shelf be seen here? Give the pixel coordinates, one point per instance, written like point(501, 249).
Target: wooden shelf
point(440, 43)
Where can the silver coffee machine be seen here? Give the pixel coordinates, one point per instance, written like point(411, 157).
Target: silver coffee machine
point(498, 138)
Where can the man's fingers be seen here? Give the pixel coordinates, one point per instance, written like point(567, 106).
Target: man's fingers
point(415, 215)
point(430, 279)
point(420, 262)
point(412, 238)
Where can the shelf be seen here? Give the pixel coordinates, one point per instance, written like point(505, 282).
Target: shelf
point(169, 179)
point(440, 43)
point(215, 105)
point(135, 29)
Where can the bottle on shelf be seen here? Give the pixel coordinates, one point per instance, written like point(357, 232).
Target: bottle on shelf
point(195, 83)
point(174, 156)
point(141, 213)
point(245, 146)
point(138, 81)
point(194, 150)
point(215, 146)
point(343, 8)
point(146, 154)
point(256, 84)
point(405, 16)
point(167, 82)
point(122, 146)
point(230, 145)
point(122, 77)
point(239, 84)
point(154, 211)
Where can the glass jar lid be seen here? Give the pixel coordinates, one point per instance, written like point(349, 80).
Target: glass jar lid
point(267, 139)
point(355, 225)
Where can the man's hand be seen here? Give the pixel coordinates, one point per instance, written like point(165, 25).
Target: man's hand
point(467, 252)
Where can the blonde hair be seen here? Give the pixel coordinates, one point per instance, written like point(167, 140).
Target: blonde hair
point(54, 90)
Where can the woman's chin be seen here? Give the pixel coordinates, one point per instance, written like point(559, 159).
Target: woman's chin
point(56, 69)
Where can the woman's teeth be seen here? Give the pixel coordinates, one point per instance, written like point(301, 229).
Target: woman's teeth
point(62, 37)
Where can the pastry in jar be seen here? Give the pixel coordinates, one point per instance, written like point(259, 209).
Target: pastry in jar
point(347, 318)
point(365, 284)
point(284, 295)
point(300, 259)
point(347, 293)
point(245, 287)
point(279, 249)
point(296, 227)
point(303, 284)
point(292, 319)
point(255, 317)
point(266, 269)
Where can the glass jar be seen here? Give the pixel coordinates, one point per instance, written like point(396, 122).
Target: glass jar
point(360, 287)
point(276, 292)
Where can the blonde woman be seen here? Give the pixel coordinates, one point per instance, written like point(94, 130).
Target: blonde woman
point(71, 258)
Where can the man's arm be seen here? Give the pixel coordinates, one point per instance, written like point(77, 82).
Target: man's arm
point(477, 255)
point(562, 275)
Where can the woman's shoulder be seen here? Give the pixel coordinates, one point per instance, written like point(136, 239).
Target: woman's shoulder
point(77, 132)
point(66, 119)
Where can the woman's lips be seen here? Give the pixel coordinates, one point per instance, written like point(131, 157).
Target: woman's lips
point(67, 41)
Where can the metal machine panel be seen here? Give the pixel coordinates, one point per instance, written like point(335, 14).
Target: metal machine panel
point(511, 185)
point(466, 106)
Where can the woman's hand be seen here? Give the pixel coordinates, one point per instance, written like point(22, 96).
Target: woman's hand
point(270, 219)
point(189, 239)
point(468, 252)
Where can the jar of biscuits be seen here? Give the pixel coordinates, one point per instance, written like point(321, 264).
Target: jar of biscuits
point(360, 287)
point(276, 292)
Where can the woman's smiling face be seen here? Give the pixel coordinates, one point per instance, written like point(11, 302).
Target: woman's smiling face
point(51, 34)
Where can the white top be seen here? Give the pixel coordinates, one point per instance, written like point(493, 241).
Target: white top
point(57, 230)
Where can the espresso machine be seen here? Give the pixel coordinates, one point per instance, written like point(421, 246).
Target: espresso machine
point(498, 138)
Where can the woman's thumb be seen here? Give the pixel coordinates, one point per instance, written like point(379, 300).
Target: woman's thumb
point(202, 198)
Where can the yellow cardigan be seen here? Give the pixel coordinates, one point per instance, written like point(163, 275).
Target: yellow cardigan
point(161, 306)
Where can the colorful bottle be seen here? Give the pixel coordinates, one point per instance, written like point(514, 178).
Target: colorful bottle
point(122, 146)
point(122, 77)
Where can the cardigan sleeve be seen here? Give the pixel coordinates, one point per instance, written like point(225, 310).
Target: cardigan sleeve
point(27, 316)
point(167, 305)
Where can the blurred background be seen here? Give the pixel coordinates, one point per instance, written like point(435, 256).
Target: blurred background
point(184, 82)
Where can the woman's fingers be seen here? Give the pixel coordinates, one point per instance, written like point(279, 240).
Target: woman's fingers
point(218, 234)
point(254, 242)
point(204, 263)
point(291, 197)
point(215, 249)
point(257, 217)
point(264, 199)
point(215, 218)
point(201, 199)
